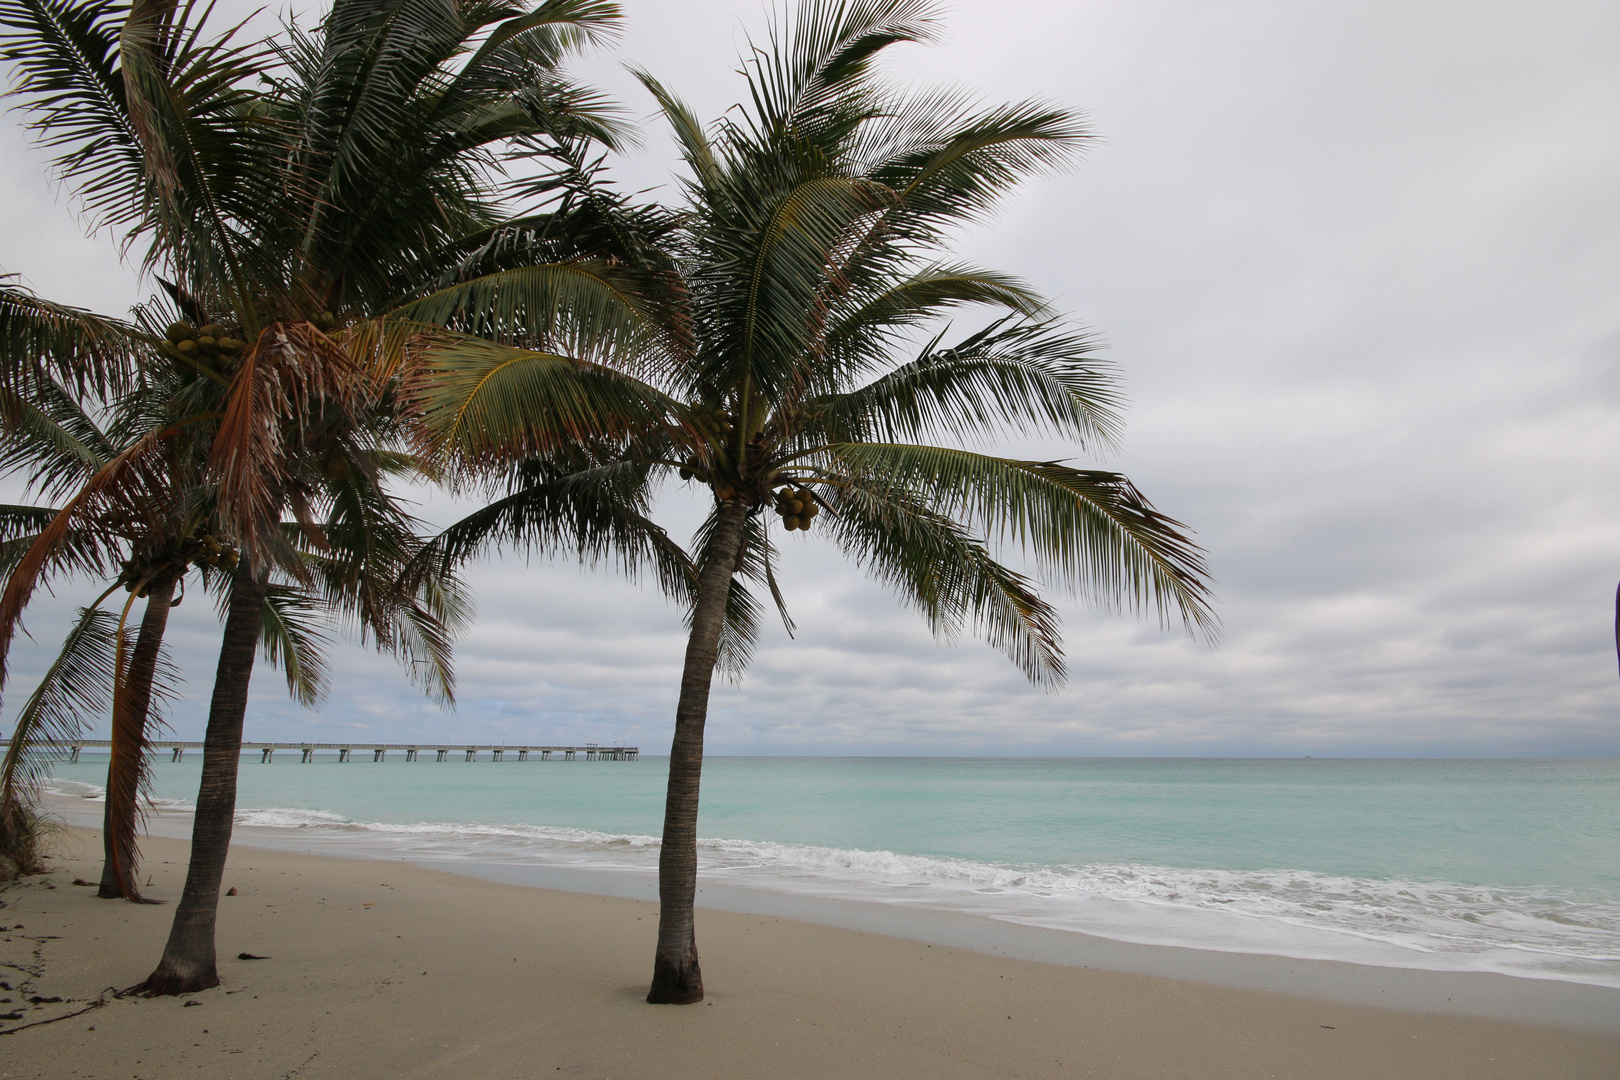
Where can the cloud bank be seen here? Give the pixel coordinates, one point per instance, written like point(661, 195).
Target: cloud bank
point(1357, 263)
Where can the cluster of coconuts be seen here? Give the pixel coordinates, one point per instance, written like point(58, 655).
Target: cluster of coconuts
point(203, 345)
point(204, 549)
point(796, 507)
point(721, 428)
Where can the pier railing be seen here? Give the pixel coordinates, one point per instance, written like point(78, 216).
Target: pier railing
point(379, 751)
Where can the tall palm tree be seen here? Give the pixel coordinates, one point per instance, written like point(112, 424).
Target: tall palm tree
point(798, 372)
point(299, 194)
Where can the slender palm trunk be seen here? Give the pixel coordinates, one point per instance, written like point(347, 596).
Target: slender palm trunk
point(188, 959)
point(127, 764)
point(677, 979)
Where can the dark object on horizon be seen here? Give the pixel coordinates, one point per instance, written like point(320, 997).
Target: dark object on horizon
point(231, 891)
point(250, 956)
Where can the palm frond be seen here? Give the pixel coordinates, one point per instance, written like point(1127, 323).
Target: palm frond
point(487, 402)
point(74, 690)
point(291, 635)
point(40, 340)
point(1039, 378)
point(947, 575)
point(1089, 529)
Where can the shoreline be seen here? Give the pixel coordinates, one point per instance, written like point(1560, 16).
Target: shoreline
point(1482, 995)
point(389, 969)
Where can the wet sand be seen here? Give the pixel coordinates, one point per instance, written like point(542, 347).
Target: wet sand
point(383, 969)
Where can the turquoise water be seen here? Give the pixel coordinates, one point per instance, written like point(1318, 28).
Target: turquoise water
point(1484, 865)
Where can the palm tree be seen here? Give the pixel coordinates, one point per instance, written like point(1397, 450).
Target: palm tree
point(57, 442)
point(299, 194)
point(798, 371)
point(50, 353)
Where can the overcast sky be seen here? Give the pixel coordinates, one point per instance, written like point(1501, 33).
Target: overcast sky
point(1357, 261)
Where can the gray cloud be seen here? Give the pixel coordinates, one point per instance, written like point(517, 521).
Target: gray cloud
point(1357, 263)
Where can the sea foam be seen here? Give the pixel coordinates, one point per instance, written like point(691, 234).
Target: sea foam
point(1565, 934)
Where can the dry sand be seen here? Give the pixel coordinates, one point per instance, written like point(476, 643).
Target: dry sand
point(379, 969)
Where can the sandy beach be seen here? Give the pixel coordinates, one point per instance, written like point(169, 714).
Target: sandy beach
point(378, 969)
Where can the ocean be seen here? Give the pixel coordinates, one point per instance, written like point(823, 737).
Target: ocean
point(1500, 866)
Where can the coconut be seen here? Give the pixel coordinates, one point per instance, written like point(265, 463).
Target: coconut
point(180, 331)
point(212, 330)
point(188, 347)
point(207, 345)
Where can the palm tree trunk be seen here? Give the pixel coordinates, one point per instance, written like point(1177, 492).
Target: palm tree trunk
point(127, 765)
point(677, 979)
point(188, 959)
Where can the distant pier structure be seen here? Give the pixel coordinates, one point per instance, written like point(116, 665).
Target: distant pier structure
point(379, 751)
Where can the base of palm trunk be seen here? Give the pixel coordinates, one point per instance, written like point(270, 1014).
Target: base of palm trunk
point(676, 980)
point(113, 889)
point(178, 978)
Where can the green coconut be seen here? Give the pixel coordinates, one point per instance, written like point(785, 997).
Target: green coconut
point(179, 331)
point(188, 347)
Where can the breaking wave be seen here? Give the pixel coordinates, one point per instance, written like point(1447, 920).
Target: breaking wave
point(1565, 934)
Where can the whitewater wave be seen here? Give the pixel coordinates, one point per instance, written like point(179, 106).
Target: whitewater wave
point(1571, 935)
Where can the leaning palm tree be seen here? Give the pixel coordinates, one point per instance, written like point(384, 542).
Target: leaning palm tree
point(56, 442)
point(795, 370)
point(298, 194)
point(49, 355)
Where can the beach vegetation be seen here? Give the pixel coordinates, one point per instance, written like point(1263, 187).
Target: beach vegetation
point(781, 346)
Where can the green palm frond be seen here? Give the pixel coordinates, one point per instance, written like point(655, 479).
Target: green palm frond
point(292, 637)
point(947, 575)
point(1026, 378)
point(1088, 529)
point(50, 439)
point(820, 64)
point(41, 341)
point(696, 148)
point(74, 691)
point(482, 400)
point(585, 308)
point(66, 56)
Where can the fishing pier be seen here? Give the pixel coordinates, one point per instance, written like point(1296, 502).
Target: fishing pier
point(379, 751)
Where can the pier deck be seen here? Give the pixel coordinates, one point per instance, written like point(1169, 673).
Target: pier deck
point(379, 751)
